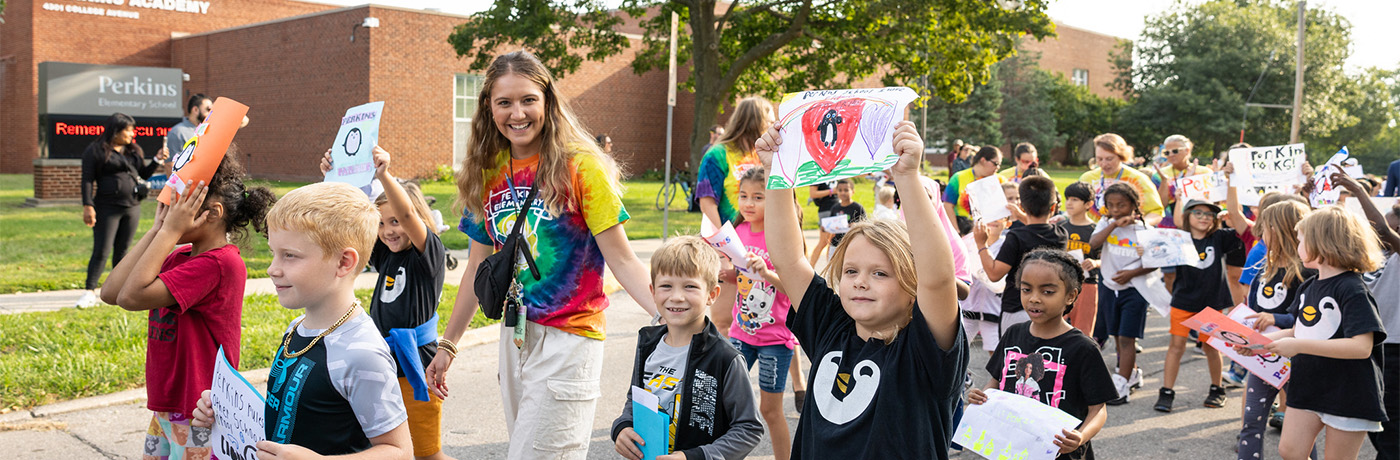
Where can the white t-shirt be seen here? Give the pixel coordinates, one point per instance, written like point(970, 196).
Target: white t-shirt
point(1119, 251)
point(1385, 288)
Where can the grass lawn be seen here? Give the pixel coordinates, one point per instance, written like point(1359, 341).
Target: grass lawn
point(53, 356)
point(45, 249)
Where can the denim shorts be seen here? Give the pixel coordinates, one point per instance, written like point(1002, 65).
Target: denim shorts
point(773, 361)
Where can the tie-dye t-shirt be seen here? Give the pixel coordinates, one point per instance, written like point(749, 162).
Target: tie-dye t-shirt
point(954, 193)
point(719, 173)
point(569, 294)
point(1150, 202)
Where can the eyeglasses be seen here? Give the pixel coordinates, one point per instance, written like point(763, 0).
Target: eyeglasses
point(1176, 151)
point(1199, 213)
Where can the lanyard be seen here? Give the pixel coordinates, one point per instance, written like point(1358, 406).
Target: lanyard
point(1098, 198)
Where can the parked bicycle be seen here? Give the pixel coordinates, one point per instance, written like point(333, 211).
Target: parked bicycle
point(680, 178)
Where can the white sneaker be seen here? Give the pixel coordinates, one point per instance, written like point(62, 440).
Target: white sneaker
point(1121, 384)
point(88, 300)
point(1135, 379)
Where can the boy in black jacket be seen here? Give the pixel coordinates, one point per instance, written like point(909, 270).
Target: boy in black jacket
point(700, 379)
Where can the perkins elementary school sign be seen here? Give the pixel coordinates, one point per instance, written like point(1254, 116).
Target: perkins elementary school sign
point(75, 99)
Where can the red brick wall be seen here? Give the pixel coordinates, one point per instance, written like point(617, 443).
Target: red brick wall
point(33, 35)
point(1077, 48)
point(57, 179)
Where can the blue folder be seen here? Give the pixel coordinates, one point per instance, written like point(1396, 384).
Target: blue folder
point(655, 429)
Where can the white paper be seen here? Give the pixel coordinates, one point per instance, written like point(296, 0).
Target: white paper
point(1077, 254)
point(1383, 204)
point(1272, 369)
point(987, 199)
point(352, 156)
point(829, 135)
point(238, 413)
point(644, 398)
point(1260, 170)
point(726, 240)
point(1010, 426)
point(840, 223)
point(1324, 192)
point(1209, 187)
point(1167, 248)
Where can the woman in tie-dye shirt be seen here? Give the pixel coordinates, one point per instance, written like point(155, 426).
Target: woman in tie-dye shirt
point(549, 375)
point(729, 158)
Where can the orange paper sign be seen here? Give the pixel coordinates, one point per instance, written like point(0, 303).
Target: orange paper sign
point(1213, 323)
point(203, 152)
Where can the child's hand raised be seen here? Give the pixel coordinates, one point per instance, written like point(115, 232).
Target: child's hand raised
point(203, 416)
point(910, 148)
point(767, 146)
point(1344, 181)
point(1069, 441)
point(381, 163)
point(976, 396)
point(185, 213)
point(326, 162)
point(627, 442)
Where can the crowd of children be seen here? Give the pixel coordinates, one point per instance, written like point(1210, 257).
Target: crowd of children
point(886, 329)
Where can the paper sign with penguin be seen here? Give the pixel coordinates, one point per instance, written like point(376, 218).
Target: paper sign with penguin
point(829, 135)
point(202, 154)
point(352, 156)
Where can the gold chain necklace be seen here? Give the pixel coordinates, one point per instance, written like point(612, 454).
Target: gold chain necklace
point(288, 340)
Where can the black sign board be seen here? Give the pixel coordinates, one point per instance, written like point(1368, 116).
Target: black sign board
point(66, 136)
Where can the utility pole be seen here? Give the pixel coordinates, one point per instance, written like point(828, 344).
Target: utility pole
point(670, 117)
point(1298, 75)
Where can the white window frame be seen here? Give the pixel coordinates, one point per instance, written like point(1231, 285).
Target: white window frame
point(473, 83)
point(1080, 77)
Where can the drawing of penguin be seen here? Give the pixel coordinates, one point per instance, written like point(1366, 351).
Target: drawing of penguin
point(393, 287)
point(1207, 258)
point(1318, 322)
point(1270, 297)
point(756, 310)
point(842, 397)
point(827, 128)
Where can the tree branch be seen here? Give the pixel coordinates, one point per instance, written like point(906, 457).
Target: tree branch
point(768, 46)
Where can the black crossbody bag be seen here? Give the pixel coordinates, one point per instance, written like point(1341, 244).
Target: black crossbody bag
point(496, 288)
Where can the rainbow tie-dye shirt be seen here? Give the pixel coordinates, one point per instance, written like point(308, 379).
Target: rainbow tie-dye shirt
point(569, 294)
point(719, 173)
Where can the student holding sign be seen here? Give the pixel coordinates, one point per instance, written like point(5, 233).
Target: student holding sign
point(893, 328)
point(1047, 359)
point(1273, 294)
point(701, 382)
point(1335, 385)
point(195, 297)
point(833, 231)
point(527, 135)
point(1198, 286)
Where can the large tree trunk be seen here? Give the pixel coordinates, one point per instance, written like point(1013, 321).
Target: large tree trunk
point(705, 67)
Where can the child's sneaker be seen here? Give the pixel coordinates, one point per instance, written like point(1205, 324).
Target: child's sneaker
point(1235, 376)
point(798, 399)
point(1121, 384)
point(88, 300)
point(1276, 420)
point(1216, 398)
point(1135, 379)
point(1165, 397)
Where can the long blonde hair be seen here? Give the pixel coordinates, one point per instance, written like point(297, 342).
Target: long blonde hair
point(1276, 224)
point(562, 133)
point(751, 118)
point(889, 237)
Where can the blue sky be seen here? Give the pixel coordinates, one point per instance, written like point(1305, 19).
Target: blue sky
point(1371, 20)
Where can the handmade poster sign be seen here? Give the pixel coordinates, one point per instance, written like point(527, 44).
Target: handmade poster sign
point(829, 135)
point(726, 240)
point(987, 199)
point(1209, 187)
point(1010, 426)
point(205, 150)
point(1213, 323)
point(650, 423)
point(1167, 248)
point(1324, 192)
point(1260, 170)
point(836, 224)
point(1271, 368)
point(238, 413)
point(352, 156)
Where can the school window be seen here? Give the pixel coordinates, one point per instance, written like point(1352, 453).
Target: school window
point(464, 91)
point(1080, 77)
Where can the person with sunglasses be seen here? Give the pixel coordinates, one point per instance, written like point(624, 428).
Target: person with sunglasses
point(1176, 150)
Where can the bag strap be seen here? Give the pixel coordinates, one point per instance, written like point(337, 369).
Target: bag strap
point(514, 238)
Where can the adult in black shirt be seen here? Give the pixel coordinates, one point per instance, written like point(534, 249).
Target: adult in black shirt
point(113, 165)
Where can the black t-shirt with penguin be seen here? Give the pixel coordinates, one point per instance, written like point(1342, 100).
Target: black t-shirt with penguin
point(1335, 308)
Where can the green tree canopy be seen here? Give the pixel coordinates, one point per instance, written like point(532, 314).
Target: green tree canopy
point(768, 47)
point(1197, 63)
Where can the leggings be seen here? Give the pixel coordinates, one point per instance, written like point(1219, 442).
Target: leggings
point(110, 236)
point(1258, 400)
